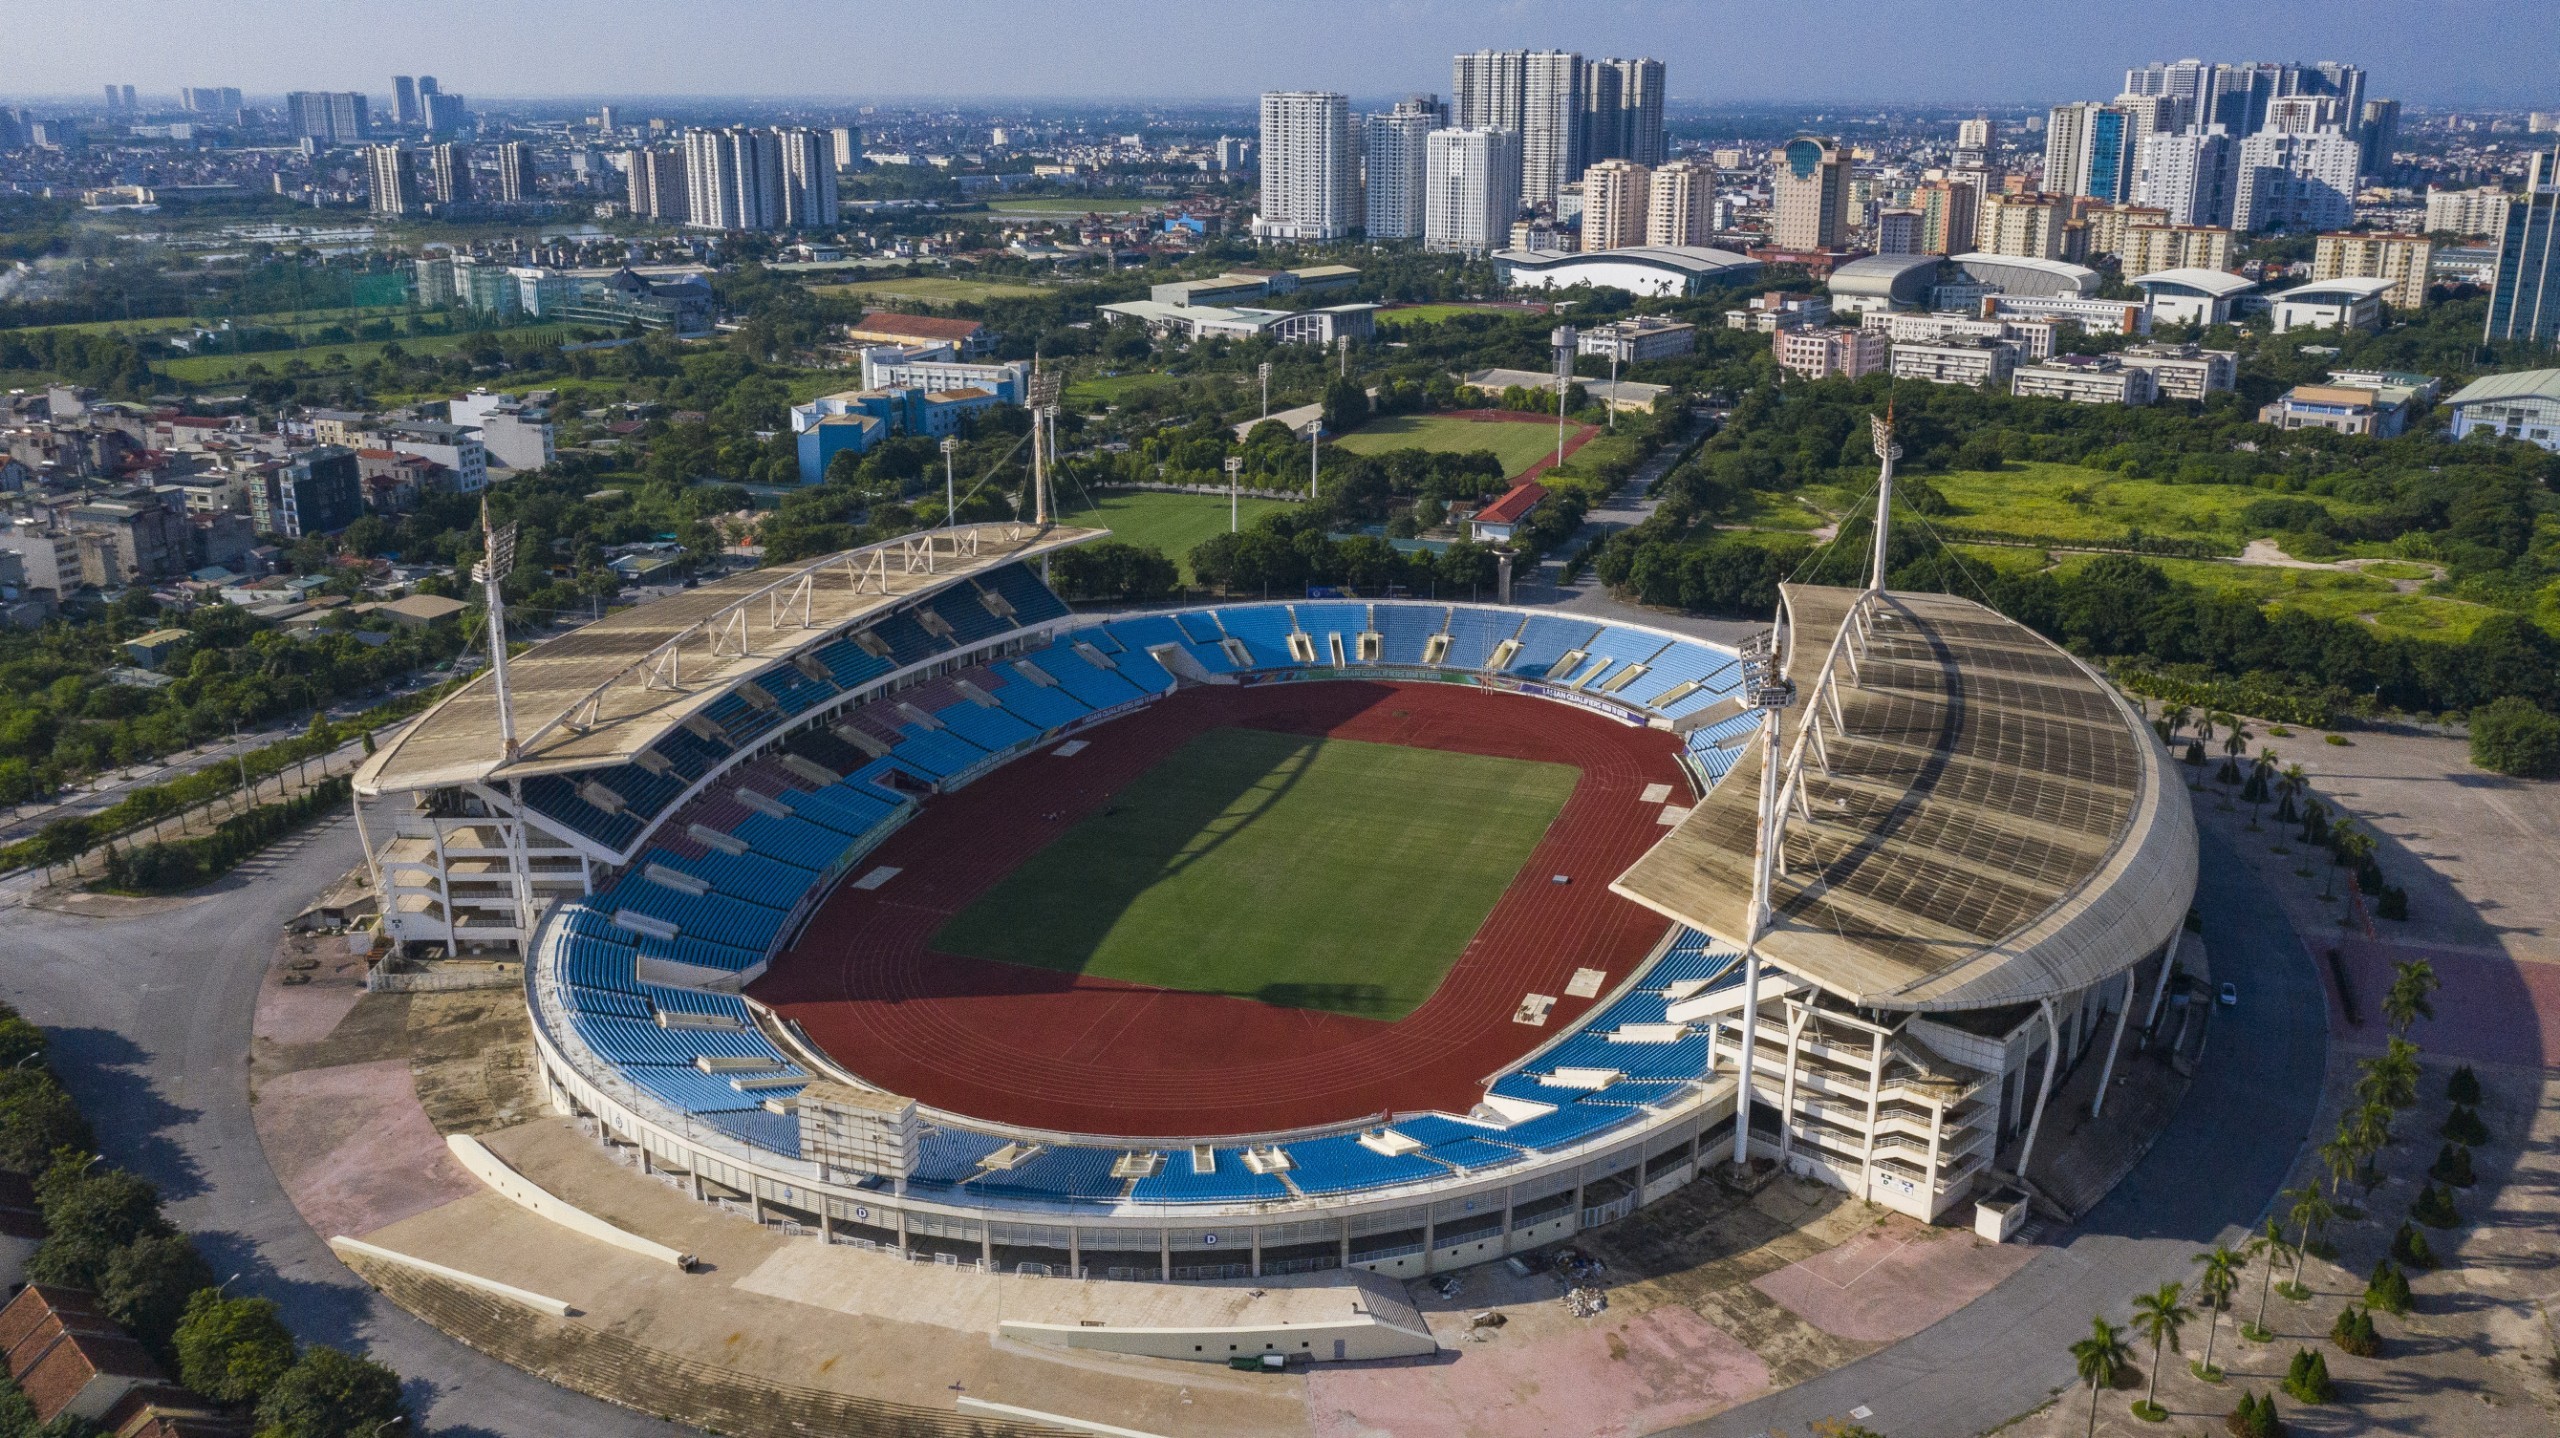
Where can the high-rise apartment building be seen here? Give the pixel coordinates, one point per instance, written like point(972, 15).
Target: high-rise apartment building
point(2524, 303)
point(1974, 134)
point(2295, 181)
point(1472, 180)
point(1310, 167)
point(1947, 213)
point(445, 113)
point(848, 146)
point(212, 99)
point(2380, 256)
point(1898, 232)
point(1622, 106)
point(515, 173)
point(1809, 195)
point(2028, 225)
point(404, 100)
point(1680, 207)
point(2191, 175)
point(2149, 249)
point(733, 179)
point(2088, 150)
point(1552, 127)
point(658, 190)
point(394, 176)
point(1570, 113)
point(1395, 159)
point(2481, 211)
point(331, 117)
point(1616, 204)
point(809, 199)
point(449, 173)
point(2378, 134)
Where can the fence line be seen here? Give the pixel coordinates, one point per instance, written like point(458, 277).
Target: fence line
point(286, 782)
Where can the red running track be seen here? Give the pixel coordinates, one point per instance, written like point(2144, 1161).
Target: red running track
point(1042, 1049)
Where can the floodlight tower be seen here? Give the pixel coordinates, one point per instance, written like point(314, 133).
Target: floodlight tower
point(497, 561)
point(1767, 688)
point(950, 480)
point(1566, 339)
point(1235, 466)
point(1263, 372)
point(1886, 451)
point(1045, 385)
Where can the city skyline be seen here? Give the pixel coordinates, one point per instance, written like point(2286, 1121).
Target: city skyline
point(2466, 52)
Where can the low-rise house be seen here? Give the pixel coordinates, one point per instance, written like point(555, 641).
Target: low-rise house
point(2085, 379)
point(2187, 372)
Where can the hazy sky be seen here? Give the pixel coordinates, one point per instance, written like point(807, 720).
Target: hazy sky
point(2440, 52)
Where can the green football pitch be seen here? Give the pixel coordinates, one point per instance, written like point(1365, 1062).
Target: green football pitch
point(1301, 871)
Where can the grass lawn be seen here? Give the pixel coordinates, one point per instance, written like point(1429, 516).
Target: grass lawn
point(1172, 524)
point(2070, 503)
point(1113, 388)
point(1517, 445)
point(931, 290)
point(2328, 593)
point(209, 369)
point(1434, 314)
point(1308, 873)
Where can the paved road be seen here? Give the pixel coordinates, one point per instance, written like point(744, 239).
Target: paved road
point(2213, 1175)
point(151, 1020)
point(1625, 508)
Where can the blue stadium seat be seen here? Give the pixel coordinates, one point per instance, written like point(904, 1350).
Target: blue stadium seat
point(1574, 1123)
point(949, 1155)
point(1475, 633)
point(1231, 1182)
point(1264, 628)
point(1095, 687)
point(969, 617)
point(989, 729)
point(1405, 630)
point(691, 1092)
point(793, 840)
point(779, 1132)
point(1323, 622)
point(1042, 708)
point(908, 641)
point(1342, 1164)
point(1546, 639)
point(1063, 1173)
point(851, 667)
point(1470, 1154)
point(1032, 601)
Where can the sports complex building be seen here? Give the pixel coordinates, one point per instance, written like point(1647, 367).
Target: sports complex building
point(883, 895)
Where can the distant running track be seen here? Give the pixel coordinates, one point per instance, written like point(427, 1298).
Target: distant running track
point(1049, 1048)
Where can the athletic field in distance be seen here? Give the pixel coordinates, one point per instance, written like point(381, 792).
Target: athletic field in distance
point(1304, 872)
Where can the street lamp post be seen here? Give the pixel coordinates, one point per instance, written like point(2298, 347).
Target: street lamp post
point(1315, 427)
point(1263, 372)
point(950, 480)
point(1235, 465)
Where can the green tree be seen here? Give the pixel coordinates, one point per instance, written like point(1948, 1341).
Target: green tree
point(232, 1349)
point(37, 1118)
point(2513, 735)
point(145, 1285)
point(2099, 1359)
point(330, 1394)
point(2158, 1316)
point(2407, 1000)
point(90, 1214)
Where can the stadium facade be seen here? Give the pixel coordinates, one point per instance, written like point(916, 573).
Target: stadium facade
point(1990, 851)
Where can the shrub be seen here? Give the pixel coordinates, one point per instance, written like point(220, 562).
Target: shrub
point(37, 1117)
point(18, 1039)
point(2353, 1332)
point(144, 1286)
point(2307, 1378)
point(2463, 1125)
point(2409, 1248)
point(2515, 736)
point(232, 1349)
point(2434, 1208)
point(2387, 1289)
point(2393, 903)
point(330, 1394)
point(2453, 1166)
point(2464, 1087)
point(90, 1215)
point(2255, 1417)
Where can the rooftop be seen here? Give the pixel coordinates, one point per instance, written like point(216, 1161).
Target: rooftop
point(934, 327)
point(2219, 284)
point(2520, 384)
point(1989, 822)
point(602, 693)
point(2346, 287)
point(1690, 259)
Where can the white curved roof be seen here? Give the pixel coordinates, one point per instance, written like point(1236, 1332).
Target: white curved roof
point(2520, 384)
point(2079, 279)
point(1881, 274)
point(2350, 287)
point(2220, 284)
point(1688, 259)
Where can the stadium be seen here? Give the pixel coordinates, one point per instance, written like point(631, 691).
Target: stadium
point(884, 896)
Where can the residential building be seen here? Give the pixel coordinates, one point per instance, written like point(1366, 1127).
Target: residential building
point(2028, 225)
point(1680, 204)
point(2089, 150)
point(454, 448)
point(514, 434)
point(316, 491)
point(2084, 379)
point(1553, 97)
point(2188, 372)
point(449, 173)
point(1616, 205)
point(2378, 135)
point(1826, 352)
point(2149, 249)
point(329, 117)
point(2521, 405)
point(2524, 304)
point(846, 142)
point(70, 1362)
point(1955, 360)
point(2341, 409)
point(2110, 226)
point(1809, 195)
point(733, 179)
point(809, 195)
point(659, 190)
point(515, 173)
point(1472, 189)
point(1638, 338)
point(393, 173)
point(404, 100)
point(122, 541)
point(2481, 211)
point(1625, 109)
point(2094, 315)
point(2190, 174)
point(2032, 339)
point(2379, 255)
point(1897, 232)
point(1946, 216)
point(2333, 304)
point(1310, 167)
point(2295, 180)
point(1499, 520)
point(445, 113)
point(1395, 155)
point(1777, 310)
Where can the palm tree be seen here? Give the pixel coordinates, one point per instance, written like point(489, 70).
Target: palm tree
point(2221, 1275)
point(2159, 1316)
point(2100, 1359)
point(2310, 1213)
point(2371, 1124)
point(2338, 1155)
point(2392, 1078)
point(2342, 837)
point(2290, 785)
point(2178, 718)
point(2408, 1001)
point(2271, 1243)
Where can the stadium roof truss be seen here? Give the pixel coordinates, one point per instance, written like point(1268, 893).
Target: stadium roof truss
point(601, 694)
point(1969, 815)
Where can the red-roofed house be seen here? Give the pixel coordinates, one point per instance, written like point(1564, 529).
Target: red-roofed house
point(68, 1356)
point(1495, 523)
point(883, 328)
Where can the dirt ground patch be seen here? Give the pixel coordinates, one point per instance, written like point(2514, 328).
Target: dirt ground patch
point(472, 1054)
point(1892, 1280)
